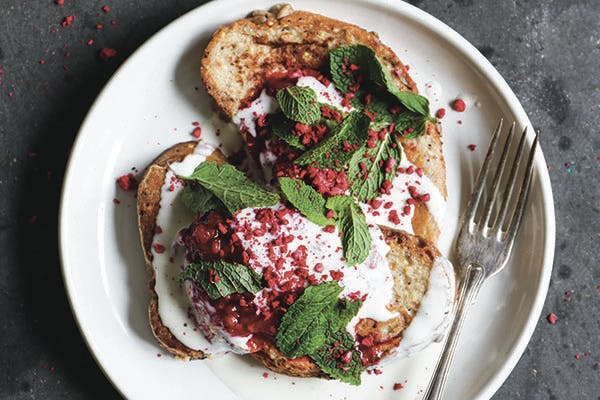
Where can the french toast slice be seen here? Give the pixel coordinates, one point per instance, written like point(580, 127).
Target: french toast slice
point(241, 55)
point(411, 259)
point(148, 206)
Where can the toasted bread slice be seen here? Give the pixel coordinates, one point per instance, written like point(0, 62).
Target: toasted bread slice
point(242, 54)
point(148, 205)
point(411, 259)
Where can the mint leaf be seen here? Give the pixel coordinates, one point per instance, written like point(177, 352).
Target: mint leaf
point(339, 358)
point(339, 60)
point(306, 199)
point(412, 101)
point(200, 200)
point(339, 203)
point(231, 186)
point(220, 278)
point(336, 149)
point(356, 239)
point(299, 103)
point(374, 71)
point(312, 319)
point(366, 174)
point(407, 121)
point(282, 128)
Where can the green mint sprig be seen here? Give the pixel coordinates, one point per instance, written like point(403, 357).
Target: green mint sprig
point(351, 221)
point(220, 278)
point(313, 319)
point(231, 187)
point(336, 149)
point(333, 358)
point(299, 104)
point(306, 199)
point(372, 171)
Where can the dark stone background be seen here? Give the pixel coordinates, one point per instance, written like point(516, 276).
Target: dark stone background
point(548, 51)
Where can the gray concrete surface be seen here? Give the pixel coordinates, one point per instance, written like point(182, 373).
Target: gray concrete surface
point(548, 51)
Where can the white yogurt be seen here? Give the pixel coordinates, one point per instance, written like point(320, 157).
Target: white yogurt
point(174, 305)
point(434, 314)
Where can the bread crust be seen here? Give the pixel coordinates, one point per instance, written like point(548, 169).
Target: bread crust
point(148, 206)
point(243, 53)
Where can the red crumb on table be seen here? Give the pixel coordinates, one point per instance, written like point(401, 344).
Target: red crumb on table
point(552, 318)
point(459, 105)
point(265, 375)
point(568, 164)
point(2, 73)
point(398, 386)
point(99, 26)
point(105, 8)
point(113, 22)
point(68, 20)
point(377, 371)
point(577, 356)
point(60, 2)
point(127, 182)
point(116, 201)
point(196, 123)
point(197, 132)
point(441, 113)
point(90, 42)
point(472, 147)
point(158, 355)
point(107, 53)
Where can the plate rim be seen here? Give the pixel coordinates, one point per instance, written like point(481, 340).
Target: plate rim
point(478, 63)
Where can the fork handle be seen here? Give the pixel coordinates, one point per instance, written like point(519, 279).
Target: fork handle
point(467, 294)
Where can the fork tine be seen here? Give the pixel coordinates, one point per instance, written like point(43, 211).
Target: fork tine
point(511, 183)
point(487, 212)
point(483, 172)
point(515, 221)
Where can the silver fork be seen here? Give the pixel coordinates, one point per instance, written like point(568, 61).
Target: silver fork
point(486, 237)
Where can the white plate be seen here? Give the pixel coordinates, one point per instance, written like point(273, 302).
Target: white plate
point(149, 105)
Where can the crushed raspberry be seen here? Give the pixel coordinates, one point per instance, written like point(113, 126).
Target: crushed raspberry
point(107, 53)
point(330, 113)
point(329, 229)
point(337, 275)
point(398, 386)
point(552, 318)
point(197, 132)
point(441, 113)
point(68, 20)
point(459, 105)
point(327, 181)
point(127, 182)
point(159, 248)
point(393, 217)
point(309, 135)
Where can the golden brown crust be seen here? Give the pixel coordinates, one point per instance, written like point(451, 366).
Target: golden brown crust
point(148, 206)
